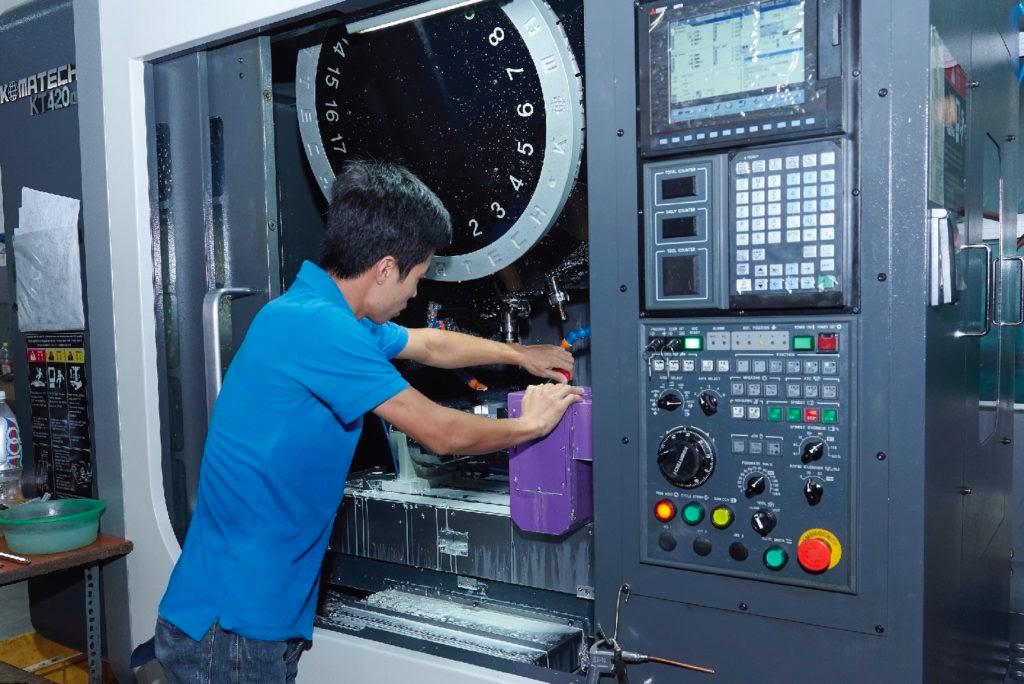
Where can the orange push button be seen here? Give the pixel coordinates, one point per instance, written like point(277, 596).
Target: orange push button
point(664, 510)
point(814, 555)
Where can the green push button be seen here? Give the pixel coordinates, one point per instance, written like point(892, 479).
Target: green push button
point(794, 415)
point(775, 413)
point(693, 513)
point(829, 416)
point(827, 282)
point(693, 343)
point(803, 343)
point(775, 558)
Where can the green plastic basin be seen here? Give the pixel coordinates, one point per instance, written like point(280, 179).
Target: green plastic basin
point(42, 527)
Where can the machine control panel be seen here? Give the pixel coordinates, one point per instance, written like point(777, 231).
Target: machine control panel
point(746, 465)
point(758, 228)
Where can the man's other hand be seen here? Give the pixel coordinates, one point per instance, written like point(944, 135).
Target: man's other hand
point(542, 360)
point(544, 405)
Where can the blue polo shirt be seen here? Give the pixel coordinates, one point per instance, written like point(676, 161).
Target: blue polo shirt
point(279, 446)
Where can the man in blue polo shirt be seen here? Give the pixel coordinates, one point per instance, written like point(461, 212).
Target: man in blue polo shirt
point(239, 605)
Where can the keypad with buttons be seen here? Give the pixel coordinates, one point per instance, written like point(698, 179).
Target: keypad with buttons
point(786, 220)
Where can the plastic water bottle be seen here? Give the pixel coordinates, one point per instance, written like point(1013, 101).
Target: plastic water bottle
point(10, 453)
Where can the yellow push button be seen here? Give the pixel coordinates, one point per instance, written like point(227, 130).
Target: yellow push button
point(722, 517)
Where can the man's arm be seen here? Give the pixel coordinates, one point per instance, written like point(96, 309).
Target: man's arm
point(447, 431)
point(447, 349)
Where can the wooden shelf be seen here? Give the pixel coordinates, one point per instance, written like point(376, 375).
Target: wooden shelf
point(103, 548)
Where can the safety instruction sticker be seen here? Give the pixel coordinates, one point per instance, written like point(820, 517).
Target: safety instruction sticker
point(831, 539)
point(61, 442)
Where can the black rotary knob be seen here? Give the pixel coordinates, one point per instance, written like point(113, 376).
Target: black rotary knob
point(812, 450)
point(813, 491)
point(755, 485)
point(763, 521)
point(708, 403)
point(686, 457)
point(670, 401)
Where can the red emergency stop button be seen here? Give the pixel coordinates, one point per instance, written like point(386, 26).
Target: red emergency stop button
point(814, 555)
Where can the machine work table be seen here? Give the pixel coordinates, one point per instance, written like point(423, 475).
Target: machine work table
point(88, 557)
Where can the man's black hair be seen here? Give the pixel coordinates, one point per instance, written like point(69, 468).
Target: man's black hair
point(380, 209)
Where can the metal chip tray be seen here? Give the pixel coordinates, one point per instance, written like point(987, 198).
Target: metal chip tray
point(430, 624)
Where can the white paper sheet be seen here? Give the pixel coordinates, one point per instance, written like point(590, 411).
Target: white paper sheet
point(49, 270)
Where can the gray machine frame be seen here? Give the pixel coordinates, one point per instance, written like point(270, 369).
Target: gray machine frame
point(942, 609)
point(938, 494)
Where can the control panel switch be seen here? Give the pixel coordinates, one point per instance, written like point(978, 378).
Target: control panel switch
point(814, 555)
point(722, 517)
point(708, 403)
point(693, 513)
point(763, 522)
point(664, 510)
point(686, 458)
point(670, 401)
point(812, 450)
point(813, 491)
point(755, 486)
point(828, 343)
point(775, 558)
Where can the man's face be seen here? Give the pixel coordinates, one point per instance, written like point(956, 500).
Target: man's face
point(393, 294)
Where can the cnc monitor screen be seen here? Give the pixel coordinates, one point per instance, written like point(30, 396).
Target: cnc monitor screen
point(726, 69)
point(734, 52)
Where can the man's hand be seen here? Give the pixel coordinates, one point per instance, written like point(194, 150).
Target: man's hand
point(544, 405)
point(542, 360)
point(446, 431)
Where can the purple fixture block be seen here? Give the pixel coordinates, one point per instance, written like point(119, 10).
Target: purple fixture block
point(551, 479)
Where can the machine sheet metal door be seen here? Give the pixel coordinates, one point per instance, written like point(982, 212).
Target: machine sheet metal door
point(991, 223)
point(214, 237)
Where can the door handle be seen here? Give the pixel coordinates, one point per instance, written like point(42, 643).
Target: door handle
point(1020, 312)
point(211, 337)
point(942, 258)
point(988, 293)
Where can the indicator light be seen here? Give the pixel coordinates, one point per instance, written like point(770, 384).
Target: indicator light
point(693, 513)
point(693, 343)
point(803, 343)
point(775, 558)
point(664, 510)
point(721, 517)
point(775, 413)
point(829, 416)
point(828, 343)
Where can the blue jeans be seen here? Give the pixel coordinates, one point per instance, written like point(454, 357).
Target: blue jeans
point(225, 657)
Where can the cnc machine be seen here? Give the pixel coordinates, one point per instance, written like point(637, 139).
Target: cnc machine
point(764, 227)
